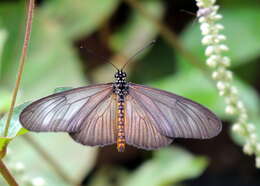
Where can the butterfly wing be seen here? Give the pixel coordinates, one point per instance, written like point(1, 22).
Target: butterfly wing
point(175, 116)
point(65, 111)
point(98, 128)
point(140, 128)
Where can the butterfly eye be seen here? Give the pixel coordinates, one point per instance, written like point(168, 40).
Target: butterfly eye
point(124, 74)
point(116, 75)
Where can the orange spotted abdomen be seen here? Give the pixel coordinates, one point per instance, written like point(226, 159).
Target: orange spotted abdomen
point(120, 125)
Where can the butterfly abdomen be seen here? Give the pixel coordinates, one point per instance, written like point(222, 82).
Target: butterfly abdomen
point(120, 125)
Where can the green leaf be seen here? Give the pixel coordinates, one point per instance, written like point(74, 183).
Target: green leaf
point(74, 159)
point(5, 100)
point(13, 24)
point(15, 128)
point(168, 167)
point(104, 174)
point(238, 3)
point(3, 38)
point(61, 89)
point(76, 18)
point(52, 61)
point(138, 29)
point(47, 66)
point(244, 45)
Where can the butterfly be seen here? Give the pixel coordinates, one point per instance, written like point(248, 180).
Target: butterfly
point(121, 113)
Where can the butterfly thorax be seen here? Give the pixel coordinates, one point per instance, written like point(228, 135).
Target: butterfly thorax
point(120, 88)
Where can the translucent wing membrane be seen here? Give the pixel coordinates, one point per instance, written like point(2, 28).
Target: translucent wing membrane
point(140, 128)
point(175, 116)
point(98, 129)
point(65, 111)
point(152, 117)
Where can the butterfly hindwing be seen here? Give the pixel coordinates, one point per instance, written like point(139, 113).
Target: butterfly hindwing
point(98, 128)
point(140, 130)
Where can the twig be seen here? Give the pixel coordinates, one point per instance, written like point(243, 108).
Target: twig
point(167, 34)
point(7, 175)
point(21, 62)
point(46, 156)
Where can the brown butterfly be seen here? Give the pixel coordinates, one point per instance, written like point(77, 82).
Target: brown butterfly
point(121, 113)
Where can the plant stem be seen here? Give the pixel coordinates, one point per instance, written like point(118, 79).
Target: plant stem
point(7, 175)
point(21, 62)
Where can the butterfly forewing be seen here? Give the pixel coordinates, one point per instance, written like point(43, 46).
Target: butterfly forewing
point(140, 128)
point(64, 111)
point(98, 128)
point(175, 116)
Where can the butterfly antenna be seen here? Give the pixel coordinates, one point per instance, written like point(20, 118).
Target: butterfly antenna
point(138, 52)
point(100, 57)
point(114, 66)
point(188, 12)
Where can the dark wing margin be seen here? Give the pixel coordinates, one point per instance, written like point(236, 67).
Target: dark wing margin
point(140, 129)
point(98, 128)
point(175, 116)
point(64, 111)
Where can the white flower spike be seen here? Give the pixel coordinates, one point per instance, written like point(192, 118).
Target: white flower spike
point(213, 40)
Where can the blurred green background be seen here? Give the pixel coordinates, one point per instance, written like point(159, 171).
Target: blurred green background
point(64, 33)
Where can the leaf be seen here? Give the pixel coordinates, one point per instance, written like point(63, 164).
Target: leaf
point(61, 89)
point(239, 3)
point(15, 128)
point(5, 100)
point(244, 45)
point(13, 24)
point(168, 167)
point(77, 18)
point(138, 30)
point(51, 59)
point(74, 159)
point(246, 48)
point(104, 174)
point(3, 38)
point(43, 69)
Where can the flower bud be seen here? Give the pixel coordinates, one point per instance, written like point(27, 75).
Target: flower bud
point(248, 149)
